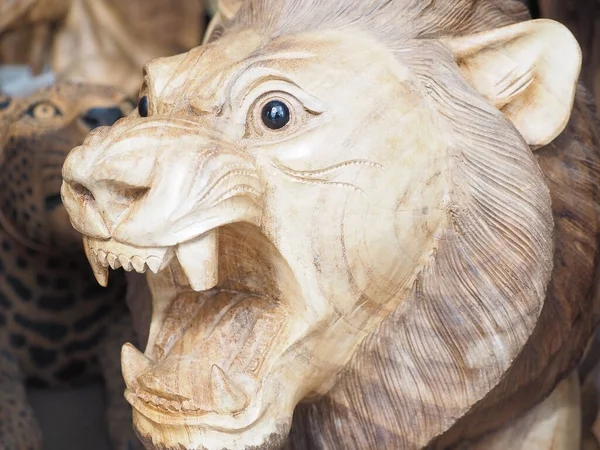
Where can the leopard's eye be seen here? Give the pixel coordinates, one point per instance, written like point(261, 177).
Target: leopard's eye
point(43, 111)
point(275, 115)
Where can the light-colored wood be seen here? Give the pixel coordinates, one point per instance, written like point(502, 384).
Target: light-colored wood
point(395, 267)
point(582, 17)
point(97, 41)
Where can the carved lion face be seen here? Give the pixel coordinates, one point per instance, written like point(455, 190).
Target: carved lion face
point(287, 195)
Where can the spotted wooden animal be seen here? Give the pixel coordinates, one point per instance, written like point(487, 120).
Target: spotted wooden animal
point(53, 315)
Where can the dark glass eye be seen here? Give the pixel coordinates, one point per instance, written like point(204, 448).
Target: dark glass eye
point(143, 106)
point(275, 115)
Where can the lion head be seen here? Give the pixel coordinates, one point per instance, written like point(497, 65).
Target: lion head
point(36, 134)
point(333, 202)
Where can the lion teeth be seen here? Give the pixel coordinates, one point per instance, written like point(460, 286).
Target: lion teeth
point(116, 255)
point(126, 263)
point(133, 363)
point(139, 264)
point(102, 258)
point(154, 264)
point(199, 259)
point(113, 261)
point(100, 271)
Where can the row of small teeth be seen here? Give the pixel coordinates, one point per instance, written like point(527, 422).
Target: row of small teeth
point(128, 263)
point(197, 258)
point(169, 405)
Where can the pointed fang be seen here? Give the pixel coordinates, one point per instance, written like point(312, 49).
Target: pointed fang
point(100, 271)
point(133, 364)
point(199, 259)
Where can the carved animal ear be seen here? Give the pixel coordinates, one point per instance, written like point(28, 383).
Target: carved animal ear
point(529, 71)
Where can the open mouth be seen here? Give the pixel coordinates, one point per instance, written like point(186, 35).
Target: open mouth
point(220, 322)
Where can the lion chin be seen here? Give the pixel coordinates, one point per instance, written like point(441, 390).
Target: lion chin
point(214, 368)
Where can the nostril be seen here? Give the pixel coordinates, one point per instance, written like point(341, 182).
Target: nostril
point(101, 117)
point(83, 193)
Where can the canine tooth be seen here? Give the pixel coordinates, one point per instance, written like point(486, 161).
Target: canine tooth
point(113, 261)
point(138, 264)
point(226, 396)
point(126, 262)
point(199, 260)
point(133, 364)
point(100, 272)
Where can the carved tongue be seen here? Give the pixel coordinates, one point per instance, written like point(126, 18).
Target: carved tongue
point(100, 271)
point(199, 260)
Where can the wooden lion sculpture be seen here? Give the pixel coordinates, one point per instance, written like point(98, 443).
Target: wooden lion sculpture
point(347, 237)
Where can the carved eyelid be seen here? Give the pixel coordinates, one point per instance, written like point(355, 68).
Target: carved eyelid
point(275, 81)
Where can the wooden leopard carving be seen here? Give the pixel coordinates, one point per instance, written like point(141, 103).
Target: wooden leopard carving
point(54, 320)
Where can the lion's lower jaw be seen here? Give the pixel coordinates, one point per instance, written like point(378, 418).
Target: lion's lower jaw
point(213, 375)
point(266, 434)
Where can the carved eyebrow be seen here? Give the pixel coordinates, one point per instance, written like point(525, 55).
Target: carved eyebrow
point(274, 81)
point(257, 76)
point(256, 69)
point(268, 58)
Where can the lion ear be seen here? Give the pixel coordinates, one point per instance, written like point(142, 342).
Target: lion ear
point(529, 71)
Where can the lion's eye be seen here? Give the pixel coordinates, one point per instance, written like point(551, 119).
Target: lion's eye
point(43, 110)
point(275, 115)
point(143, 106)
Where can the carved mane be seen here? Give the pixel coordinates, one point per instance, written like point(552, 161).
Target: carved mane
point(388, 20)
point(471, 310)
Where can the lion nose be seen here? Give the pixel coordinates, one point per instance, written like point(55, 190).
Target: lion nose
point(109, 201)
point(98, 193)
point(100, 117)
